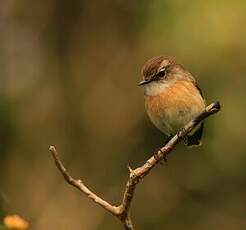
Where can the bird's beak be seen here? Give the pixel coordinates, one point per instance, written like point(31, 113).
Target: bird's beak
point(143, 82)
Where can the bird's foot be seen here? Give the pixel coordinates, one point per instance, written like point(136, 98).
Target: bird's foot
point(181, 133)
point(162, 159)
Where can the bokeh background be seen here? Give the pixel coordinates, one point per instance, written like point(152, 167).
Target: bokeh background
point(68, 77)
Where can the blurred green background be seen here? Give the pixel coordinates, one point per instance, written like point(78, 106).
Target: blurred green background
point(69, 72)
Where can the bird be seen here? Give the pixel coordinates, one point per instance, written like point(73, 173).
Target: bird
point(172, 98)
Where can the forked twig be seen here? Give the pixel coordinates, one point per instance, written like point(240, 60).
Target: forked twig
point(122, 211)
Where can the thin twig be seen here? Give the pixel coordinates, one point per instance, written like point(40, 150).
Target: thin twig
point(122, 211)
point(80, 185)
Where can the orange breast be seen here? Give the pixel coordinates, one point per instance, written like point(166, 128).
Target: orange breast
point(175, 106)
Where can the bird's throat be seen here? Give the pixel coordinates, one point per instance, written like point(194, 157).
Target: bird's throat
point(156, 87)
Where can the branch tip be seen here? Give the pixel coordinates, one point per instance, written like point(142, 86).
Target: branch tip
point(217, 105)
point(52, 148)
point(214, 107)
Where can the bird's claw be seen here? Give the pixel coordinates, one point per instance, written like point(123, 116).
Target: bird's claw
point(157, 158)
point(181, 132)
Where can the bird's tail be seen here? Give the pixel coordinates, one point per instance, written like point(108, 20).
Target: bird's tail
point(195, 138)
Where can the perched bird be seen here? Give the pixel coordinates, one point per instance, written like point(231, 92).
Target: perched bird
point(172, 97)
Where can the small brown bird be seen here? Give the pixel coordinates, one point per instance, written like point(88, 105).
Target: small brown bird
point(172, 97)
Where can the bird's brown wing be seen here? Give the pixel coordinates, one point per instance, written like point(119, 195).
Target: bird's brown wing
point(199, 89)
point(192, 79)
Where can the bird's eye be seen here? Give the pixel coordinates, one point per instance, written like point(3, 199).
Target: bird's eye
point(161, 73)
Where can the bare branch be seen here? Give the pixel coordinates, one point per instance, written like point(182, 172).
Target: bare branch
point(122, 211)
point(80, 185)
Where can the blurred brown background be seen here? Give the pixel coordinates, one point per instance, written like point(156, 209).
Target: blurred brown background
point(69, 72)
